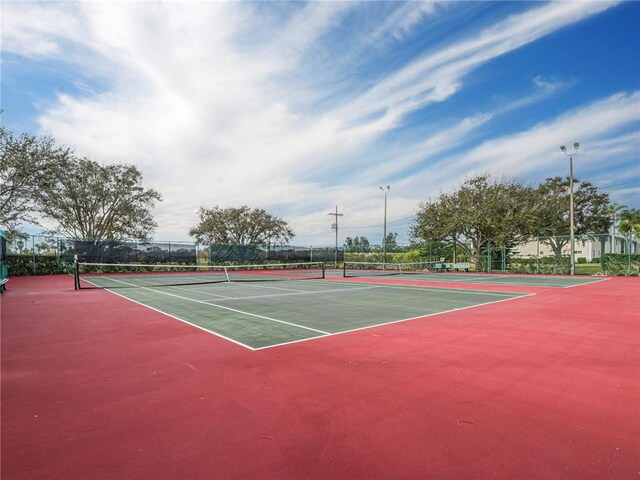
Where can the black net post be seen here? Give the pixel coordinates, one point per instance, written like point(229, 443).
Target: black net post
point(76, 274)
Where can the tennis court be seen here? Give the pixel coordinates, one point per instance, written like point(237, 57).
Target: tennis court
point(420, 271)
point(267, 308)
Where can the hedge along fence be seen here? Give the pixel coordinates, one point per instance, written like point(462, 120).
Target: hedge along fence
point(413, 256)
point(621, 264)
point(543, 265)
point(22, 265)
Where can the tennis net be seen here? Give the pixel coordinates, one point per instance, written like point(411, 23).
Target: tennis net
point(375, 269)
point(114, 275)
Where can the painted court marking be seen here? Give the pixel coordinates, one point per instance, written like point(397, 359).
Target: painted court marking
point(482, 279)
point(228, 308)
point(398, 321)
point(321, 332)
point(302, 292)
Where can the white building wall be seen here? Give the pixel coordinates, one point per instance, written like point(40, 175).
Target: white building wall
point(588, 249)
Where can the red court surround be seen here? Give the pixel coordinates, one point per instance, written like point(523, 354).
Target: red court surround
point(543, 387)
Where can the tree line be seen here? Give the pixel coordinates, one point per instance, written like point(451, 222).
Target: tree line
point(90, 201)
point(86, 200)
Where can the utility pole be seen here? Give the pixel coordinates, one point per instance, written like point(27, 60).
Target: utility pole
point(334, 226)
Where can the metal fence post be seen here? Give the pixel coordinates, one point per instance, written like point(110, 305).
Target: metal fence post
point(33, 253)
point(504, 258)
point(629, 254)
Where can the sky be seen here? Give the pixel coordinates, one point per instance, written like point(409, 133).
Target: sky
point(299, 107)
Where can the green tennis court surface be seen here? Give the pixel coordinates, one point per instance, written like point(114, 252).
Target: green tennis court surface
point(265, 314)
point(484, 278)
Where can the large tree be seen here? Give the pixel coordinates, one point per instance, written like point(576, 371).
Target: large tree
point(391, 241)
point(241, 225)
point(591, 211)
point(484, 211)
point(90, 201)
point(27, 164)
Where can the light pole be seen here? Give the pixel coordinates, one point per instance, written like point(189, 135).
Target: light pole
point(384, 238)
point(563, 149)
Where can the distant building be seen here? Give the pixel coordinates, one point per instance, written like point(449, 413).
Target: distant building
point(587, 247)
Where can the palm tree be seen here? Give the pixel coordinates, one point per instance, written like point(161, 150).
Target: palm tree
point(630, 223)
point(613, 210)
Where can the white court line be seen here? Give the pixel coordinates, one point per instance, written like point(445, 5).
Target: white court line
point(587, 283)
point(396, 321)
point(301, 292)
point(486, 279)
point(438, 289)
point(150, 284)
point(173, 316)
point(240, 284)
point(435, 289)
point(194, 291)
point(227, 308)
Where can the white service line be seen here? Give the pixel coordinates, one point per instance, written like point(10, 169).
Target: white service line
point(227, 308)
point(194, 291)
point(397, 321)
point(300, 292)
point(174, 317)
point(437, 289)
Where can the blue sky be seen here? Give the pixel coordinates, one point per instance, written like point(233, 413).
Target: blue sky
point(298, 107)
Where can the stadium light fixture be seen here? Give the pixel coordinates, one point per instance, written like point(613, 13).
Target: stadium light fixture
point(384, 238)
point(563, 149)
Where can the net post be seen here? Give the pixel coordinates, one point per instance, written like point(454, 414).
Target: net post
point(76, 273)
point(323, 270)
point(344, 269)
point(226, 272)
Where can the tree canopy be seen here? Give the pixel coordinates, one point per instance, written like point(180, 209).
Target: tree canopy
point(506, 213)
point(94, 202)
point(592, 211)
point(27, 164)
point(241, 225)
point(357, 241)
point(483, 209)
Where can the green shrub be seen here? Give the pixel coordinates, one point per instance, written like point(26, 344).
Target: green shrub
point(582, 260)
point(621, 264)
point(22, 265)
point(411, 256)
point(545, 265)
point(595, 260)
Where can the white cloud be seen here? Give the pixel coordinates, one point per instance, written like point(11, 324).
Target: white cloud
point(213, 102)
point(599, 127)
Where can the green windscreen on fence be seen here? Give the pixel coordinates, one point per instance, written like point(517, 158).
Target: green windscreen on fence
point(127, 252)
point(242, 253)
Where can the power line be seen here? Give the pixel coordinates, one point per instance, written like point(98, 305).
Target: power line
point(378, 225)
point(622, 184)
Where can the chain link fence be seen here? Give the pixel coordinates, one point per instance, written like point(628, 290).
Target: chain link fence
point(45, 255)
point(605, 253)
point(595, 253)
